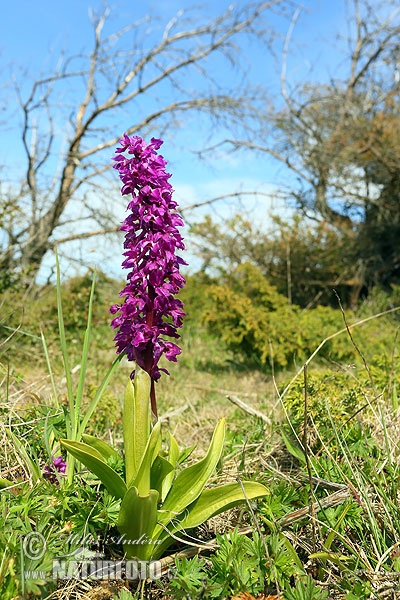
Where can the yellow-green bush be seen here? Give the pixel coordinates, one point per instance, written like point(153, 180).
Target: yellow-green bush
point(253, 318)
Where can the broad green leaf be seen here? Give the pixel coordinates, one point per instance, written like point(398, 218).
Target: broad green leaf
point(5, 483)
point(142, 479)
point(105, 449)
point(211, 502)
point(136, 522)
point(93, 460)
point(215, 500)
point(160, 469)
point(136, 422)
point(186, 452)
point(173, 457)
point(190, 482)
point(128, 421)
point(293, 449)
point(337, 559)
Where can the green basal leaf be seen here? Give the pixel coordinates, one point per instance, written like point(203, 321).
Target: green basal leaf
point(215, 500)
point(337, 559)
point(136, 422)
point(186, 452)
point(5, 483)
point(190, 482)
point(211, 502)
point(136, 522)
point(173, 458)
point(290, 548)
point(142, 479)
point(160, 469)
point(93, 460)
point(105, 449)
point(293, 449)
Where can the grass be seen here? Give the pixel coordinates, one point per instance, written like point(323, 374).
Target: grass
point(330, 457)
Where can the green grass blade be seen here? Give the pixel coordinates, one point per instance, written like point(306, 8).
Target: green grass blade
point(84, 356)
point(49, 367)
point(64, 352)
point(29, 463)
point(92, 406)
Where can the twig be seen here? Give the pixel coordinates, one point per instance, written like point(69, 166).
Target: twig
point(172, 413)
point(318, 482)
point(249, 409)
point(331, 500)
point(205, 388)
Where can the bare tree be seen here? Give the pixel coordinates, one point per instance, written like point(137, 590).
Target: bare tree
point(72, 117)
point(340, 140)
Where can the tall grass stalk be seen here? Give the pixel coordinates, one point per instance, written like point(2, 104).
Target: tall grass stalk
point(75, 421)
point(378, 499)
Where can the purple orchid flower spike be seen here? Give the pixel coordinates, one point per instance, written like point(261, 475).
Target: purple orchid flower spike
point(150, 313)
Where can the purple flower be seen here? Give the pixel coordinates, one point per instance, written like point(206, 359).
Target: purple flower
point(58, 466)
point(150, 313)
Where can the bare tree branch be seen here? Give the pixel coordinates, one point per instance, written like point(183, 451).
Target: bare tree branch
point(119, 75)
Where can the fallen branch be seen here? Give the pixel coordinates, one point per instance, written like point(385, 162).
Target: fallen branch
point(249, 409)
point(331, 500)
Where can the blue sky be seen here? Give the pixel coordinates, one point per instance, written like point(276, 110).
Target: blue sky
point(34, 34)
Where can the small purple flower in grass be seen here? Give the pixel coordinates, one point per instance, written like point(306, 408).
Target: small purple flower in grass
point(58, 466)
point(150, 313)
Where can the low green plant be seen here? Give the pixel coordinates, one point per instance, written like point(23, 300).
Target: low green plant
point(158, 501)
point(189, 578)
point(125, 595)
point(239, 564)
point(252, 564)
point(305, 589)
point(331, 397)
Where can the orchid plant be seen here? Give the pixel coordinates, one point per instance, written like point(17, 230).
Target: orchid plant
point(159, 498)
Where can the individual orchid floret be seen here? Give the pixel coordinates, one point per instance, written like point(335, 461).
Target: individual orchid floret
point(58, 466)
point(150, 312)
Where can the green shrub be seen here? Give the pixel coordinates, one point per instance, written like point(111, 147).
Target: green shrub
point(253, 318)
